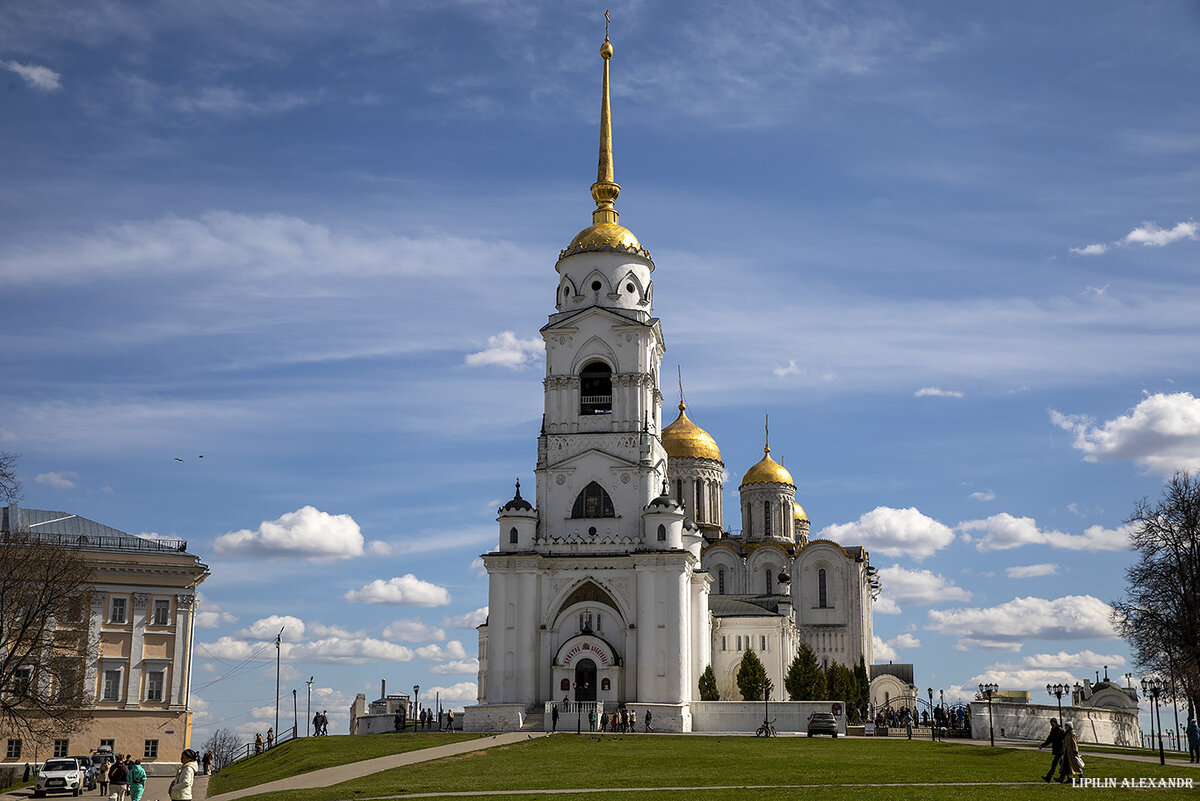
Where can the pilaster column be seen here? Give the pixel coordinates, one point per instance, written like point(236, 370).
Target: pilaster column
point(179, 661)
point(92, 659)
point(133, 692)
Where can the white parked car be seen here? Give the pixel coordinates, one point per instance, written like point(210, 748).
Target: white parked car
point(62, 775)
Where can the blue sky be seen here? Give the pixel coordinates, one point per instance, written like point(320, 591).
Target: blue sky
point(949, 248)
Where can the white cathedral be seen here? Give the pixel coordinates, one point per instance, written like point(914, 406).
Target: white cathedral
point(622, 584)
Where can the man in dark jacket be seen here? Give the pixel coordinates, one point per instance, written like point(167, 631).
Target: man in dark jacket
point(1055, 740)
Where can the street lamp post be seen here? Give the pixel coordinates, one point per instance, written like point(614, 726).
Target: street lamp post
point(308, 707)
point(987, 690)
point(1153, 687)
point(278, 646)
point(416, 704)
point(295, 722)
point(932, 718)
point(577, 686)
point(1058, 691)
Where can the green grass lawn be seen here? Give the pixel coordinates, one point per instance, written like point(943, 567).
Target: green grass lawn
point(307, 754)
point(612, 761)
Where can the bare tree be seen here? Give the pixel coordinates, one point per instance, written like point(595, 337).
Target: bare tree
point(45, 601)
point(225, 746)
point(10, 487)
point(1160, 613)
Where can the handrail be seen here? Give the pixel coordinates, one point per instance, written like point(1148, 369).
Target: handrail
point(248, 749)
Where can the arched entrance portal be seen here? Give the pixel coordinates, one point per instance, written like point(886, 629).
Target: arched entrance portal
point(585, 680)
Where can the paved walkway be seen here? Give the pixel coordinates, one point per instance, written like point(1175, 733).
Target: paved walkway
point(156, 788)
point(344, 773)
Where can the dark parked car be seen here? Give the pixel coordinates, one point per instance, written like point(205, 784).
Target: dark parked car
point(89, 771)
point(822, 723)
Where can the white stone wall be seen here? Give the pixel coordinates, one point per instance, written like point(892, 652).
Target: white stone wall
point(747, 716)
point(1031, 722)
point(494, 717)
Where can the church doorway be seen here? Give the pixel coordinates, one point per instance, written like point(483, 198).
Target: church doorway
point(585, 680)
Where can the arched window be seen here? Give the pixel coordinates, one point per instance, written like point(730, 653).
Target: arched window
point(723, 648)
point(595, 389)
point(699, 505)
point(679, 491)
point(662, 533)
point(766, 518)
point(721, 581)
point(769, 577)
point(763, 644)
point(593, 502)
point(822, 598)
point(512, 537)
point(739, 640)
point(746, 522)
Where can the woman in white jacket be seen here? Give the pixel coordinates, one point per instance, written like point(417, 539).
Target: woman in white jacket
point(181, 788)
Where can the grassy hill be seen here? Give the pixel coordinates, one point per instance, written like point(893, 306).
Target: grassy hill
point(306, 754)
point(720, 767)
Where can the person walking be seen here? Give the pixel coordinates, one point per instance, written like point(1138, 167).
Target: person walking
point(553, 718)
point(137, 781)
point(208, 761)
point(1193, 738)
point(316, 721)
point(906, 722)
point(1071, 763)
point(1055, 740)
point(258, 743)
point(181, 786)
point(450, 719)
point(592, 719)
point(101, 775)
point(646, 722)
point(118, 778)
point(271, 737)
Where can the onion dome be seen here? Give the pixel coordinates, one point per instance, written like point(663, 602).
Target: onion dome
point(768, 471)
point(517, 504)
point(784, 578)
point(605, 233)
point(664, 502)
point(683, 439)
point(798, 514)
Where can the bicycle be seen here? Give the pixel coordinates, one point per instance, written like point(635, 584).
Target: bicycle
point(767, 729)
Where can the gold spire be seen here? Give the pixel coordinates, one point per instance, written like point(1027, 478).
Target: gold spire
point(605, 233)
point(767, 470)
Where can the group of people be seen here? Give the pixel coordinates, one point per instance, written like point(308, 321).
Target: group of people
point(621, 721)
point(1064, 747)
point(124, 775)
point(320, 724)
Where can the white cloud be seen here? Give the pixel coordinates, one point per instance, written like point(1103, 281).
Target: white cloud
point(329, 650)
point(463, 691)
point(894, 532)
point(478, 567)
point(379, 548)
point(56, 480)
point(886, 606)
point(790, 369)
point(1010, 677)
point(506, 350)
point(1031, 571)
point(1151, 235)
point(1091, 250)
point(887, 650)
point(210, 614)
point(903, 586)
point(451, 650)
point(412, 630)
point(936, 392)
point(982, 495)
point(1062, 659)
point(468, 621)
point(1161, 434)
point(401, 590)
point(323, 630)
point(38, 77)
point(1003, 531)
point(1007, 626)
point(267, 627)
point(306, 532)
point(456, 667)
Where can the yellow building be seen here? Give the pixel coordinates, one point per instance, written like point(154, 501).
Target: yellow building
point(137, 648)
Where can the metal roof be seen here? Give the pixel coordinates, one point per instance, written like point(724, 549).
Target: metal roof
point(64, 528)
point(746, 605)
point(904, 672)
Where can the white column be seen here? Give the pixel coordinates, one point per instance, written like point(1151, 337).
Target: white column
point(497, 640)
point(179, 662)
point(678, 635)
point(133, 693)
point(527, 622)
point(647, 644)
point(93, 646)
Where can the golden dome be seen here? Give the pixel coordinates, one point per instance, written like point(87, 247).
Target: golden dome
point(605, 236)
point(767, 471)
point(683, 439)
point(798, 514)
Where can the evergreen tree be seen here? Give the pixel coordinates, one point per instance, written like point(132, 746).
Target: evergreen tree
point(838, 682)
point(863, 700)
point(805, 681)
point(708, 685)
point(751, 677)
